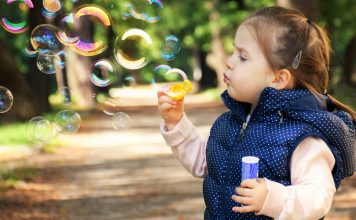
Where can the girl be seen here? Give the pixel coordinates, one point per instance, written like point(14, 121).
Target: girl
point(280, 112)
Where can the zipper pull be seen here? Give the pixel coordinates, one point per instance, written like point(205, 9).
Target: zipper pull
point(244, 126)
point(281, 116)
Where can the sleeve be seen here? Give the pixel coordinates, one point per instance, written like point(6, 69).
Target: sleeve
point(311, 193)
point(187, 146)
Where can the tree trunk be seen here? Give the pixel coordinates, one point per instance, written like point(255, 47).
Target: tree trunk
point(310, 8)
point(39, 82)
point(349, 71)
point(24, 105)
point(216, 59)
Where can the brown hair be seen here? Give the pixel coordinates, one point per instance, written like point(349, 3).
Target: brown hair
point(291, 33)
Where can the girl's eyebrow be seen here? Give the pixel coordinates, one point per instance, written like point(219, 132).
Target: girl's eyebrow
point(240, 48)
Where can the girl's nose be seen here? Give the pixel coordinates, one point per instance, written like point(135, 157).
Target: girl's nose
point(229, 63)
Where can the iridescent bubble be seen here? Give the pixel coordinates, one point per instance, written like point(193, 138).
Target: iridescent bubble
point(149, 12)
point(103, 73)
point(40, 130)
point(47, 64)
point(6, 99)
point(170, 48)
point(177, 89)
point(29, 51)
point(92, 47)
point(44, 40)
point(60, 59)
point(67, 34)
point(48, 14)
point(67, 121)
point(131, 49)
point(16, 22)
point(121, 121)
point(52, 6)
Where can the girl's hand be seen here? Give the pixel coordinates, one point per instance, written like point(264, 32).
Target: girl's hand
point(170, 110)
point(252, 194)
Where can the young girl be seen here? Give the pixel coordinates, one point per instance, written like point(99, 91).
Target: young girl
point(280, 112)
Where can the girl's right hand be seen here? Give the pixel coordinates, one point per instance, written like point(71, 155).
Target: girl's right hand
point(170, 110)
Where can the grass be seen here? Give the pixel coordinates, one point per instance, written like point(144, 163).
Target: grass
point(11, 178)
point(13, 134)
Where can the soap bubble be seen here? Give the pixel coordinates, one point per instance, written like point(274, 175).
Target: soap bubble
point(52, 6)
point(149, 11)
point(131, 49)
point(67, 34)
point(47, 64)
point(6, 99)
point(121, 121)
point(103, 73)
point(47, 14)
point(170, 48)
point(101, 22)
point(44, 40)
point(67, 121)
point(14, 20)
point(40, 130)
point(175, 82)
point(29, 51)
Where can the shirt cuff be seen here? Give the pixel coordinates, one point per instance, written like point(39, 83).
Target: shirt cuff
point(277, 194)
point(179, 133)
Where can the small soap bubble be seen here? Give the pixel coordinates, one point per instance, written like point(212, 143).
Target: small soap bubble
point(47, 14)
point(52, 6)
point(103, 73)
point(6, 99)
point(121, 121)
point(46, 64)
point(29, 51)
point(170, 48)
point(131, 49)
point(67, 122)
point(40, 130)
point(44, 39)
point(68, 33)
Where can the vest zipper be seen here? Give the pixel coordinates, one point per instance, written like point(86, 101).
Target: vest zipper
point(244, 126)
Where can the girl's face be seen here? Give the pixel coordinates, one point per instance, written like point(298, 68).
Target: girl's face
point(248, 72)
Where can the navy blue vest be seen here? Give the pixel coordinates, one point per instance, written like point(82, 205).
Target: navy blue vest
point(281, 120)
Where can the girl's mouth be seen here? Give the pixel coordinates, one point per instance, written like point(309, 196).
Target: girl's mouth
point(226, 79)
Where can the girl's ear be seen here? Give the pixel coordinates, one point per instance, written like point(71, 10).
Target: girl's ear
point(283, 79)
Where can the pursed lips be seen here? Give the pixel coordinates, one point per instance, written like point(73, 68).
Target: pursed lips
point(226, 79)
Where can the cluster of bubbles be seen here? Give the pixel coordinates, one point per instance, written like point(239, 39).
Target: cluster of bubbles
point(41, 131)
point(48, 43)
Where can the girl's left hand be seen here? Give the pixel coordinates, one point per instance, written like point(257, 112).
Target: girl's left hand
point(252, 194)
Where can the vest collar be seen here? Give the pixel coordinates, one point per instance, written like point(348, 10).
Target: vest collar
point(272, 101)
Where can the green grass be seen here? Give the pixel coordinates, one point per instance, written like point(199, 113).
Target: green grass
point(13, 134)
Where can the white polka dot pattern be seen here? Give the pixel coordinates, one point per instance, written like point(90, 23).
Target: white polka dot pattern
point(281, 120)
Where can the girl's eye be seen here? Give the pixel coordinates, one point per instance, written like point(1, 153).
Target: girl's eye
point(242, 58)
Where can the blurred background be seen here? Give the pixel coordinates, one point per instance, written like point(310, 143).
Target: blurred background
point(79, 125)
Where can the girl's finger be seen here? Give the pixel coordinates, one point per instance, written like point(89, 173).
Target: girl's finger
point(165, 99)
point(243, 209)
point(165, 106)
point(244, 191)
point(242, 200)
point(249, 183)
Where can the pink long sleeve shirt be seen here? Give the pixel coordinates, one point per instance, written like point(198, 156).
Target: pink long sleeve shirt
point(311, 193)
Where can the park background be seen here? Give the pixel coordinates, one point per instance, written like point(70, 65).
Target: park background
point(100, 172)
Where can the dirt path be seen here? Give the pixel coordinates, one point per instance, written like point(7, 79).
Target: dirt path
point(102, 174)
